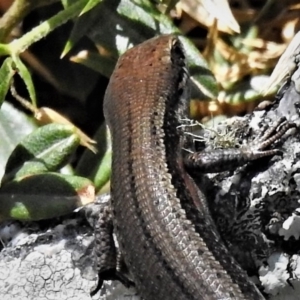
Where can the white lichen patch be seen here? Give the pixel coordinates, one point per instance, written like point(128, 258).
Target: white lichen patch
point(281, 278)
point(274, 276)
point(291, 226)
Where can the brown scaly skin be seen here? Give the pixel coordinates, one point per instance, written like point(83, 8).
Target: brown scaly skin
point(167, 237)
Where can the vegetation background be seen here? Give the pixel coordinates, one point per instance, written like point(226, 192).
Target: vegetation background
point(56, 59)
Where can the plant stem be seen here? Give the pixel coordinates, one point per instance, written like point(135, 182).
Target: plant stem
point(16, 13)
point(37, 33)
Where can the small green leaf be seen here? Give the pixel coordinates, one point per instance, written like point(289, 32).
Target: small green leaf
point(26, 76)
point(90, 5)
point(47, 149)
point(4, 49)
point(69, 45)
point(6, 73)
point(14, 126)
point(81, 27)
point(44, 196)
point(97, 167)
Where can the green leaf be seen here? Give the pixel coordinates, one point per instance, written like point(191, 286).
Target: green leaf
point(97, 167)
point(203, 83)
point(80, 28)
point(14, 126)
point(130, 23)
point(47, 149)
point(91, 4)
point(79, 33)
point(6, 73)
point(26, 76)
point(4, 49)
point(44, 196)
point(20, 45)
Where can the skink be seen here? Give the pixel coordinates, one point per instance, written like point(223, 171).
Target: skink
point(161, 218)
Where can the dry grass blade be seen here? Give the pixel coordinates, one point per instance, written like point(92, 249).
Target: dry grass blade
point(206, 11)
point(286, 64)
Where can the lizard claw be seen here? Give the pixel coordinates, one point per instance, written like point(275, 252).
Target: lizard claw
point(111, 274)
